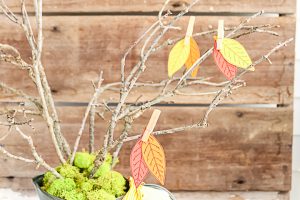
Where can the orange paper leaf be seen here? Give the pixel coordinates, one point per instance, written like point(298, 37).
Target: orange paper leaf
point(154, 157)
point(193, 57)
point(138, 166)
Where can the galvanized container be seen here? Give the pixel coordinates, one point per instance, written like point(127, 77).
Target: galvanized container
point(38, 181)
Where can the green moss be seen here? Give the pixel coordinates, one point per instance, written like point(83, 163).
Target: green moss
point(60, 186)
point(108, 158)
point(75, 184)
point(68, 171)
point(74, 195)
point(48, 180)
point(103, 169)
point(88, 185)
point(83, 160)
point(100, 195)
point(112, 182)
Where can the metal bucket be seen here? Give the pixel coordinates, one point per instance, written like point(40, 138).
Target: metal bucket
point(38, 181)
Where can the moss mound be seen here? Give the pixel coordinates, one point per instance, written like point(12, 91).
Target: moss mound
point(75, 185)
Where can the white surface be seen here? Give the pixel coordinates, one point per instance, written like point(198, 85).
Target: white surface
point(297, 72)
point(7, 194)
point(151, 194)
point(178, 195)
point(297, 115)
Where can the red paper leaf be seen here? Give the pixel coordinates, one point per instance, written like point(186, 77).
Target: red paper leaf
point(138, 166)
point(225, 67)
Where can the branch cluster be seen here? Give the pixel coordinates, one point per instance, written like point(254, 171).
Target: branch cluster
point(151, 41)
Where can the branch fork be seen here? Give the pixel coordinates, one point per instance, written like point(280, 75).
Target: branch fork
point(151, 41)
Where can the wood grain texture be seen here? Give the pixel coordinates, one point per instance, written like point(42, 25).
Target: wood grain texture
point(16, 183)
point(243, 148)
point(69, 6)
point(77, 47)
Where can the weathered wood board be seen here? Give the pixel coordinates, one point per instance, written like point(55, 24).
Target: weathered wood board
point(77, 47)
point(243, 149)
point(204, 6)
point(249, 149)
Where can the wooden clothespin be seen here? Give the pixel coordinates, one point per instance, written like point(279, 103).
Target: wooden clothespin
point(190, 30)
point(220, 34)
point(151, 125)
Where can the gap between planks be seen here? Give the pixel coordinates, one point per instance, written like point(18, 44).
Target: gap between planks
point(114, 104)
point(234, 14)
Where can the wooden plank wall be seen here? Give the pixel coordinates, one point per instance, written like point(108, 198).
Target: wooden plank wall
point(246, 147)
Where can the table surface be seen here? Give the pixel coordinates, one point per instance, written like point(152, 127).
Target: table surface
point(8, 194)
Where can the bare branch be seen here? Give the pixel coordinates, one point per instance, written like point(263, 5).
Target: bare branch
point(92, 129)
point(123, 61)
point(209, 52)
point(98, 91)
point(39, 160)
point(5, 152)
point(8, 13)
point(224, 93)
point(247, 31)
point(120, 142)
point(20, 93)
point(41, 83)
point(16, 123)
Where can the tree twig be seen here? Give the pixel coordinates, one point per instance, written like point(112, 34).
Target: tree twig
point(39, 160)
point(5, 152)
point(225, 92)
point(98, 91)
point(92, 129)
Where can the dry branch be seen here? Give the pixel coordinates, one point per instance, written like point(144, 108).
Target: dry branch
point(5, 152)
point(98, 91)
point(124, 112)
point(92, 129)
point(39, 160)
point(36, 72)
point(225, 92)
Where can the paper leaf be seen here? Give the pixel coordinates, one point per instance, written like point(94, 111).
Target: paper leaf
point(225, 67)
point(138, 166)
point(193, 56)
point(177, 57)
point(133, 192)
point(154, 157)
point(234, 53)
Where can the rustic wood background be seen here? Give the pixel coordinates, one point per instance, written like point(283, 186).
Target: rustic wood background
point(249, 142)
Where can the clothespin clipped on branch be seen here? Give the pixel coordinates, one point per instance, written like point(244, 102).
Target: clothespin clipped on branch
point(220, 34)
point(151, 125)
point(190, 29)
point(147, 151)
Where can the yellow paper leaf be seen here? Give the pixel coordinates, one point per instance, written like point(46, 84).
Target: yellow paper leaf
point(234, 53)
point(194, 55)
point(133, 192)
point(154, 157)
point(177, 57)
